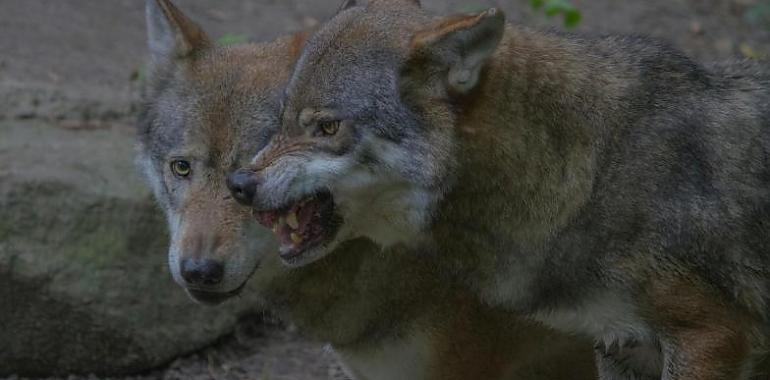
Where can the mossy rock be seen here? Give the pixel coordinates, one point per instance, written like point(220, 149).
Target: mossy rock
point(84, 284)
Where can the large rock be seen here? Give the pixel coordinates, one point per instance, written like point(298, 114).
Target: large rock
point(84, 286)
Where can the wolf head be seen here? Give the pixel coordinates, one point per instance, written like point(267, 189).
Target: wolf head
point(366, 146)
point(206, 110)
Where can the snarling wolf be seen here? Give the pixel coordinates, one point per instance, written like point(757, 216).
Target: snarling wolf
point(207, 109)
point(608, 186)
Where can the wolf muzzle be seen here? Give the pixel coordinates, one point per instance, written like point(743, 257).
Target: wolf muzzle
point(243, 186)
point(202, 272)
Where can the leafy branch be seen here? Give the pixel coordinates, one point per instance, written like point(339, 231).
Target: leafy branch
point(571, 14)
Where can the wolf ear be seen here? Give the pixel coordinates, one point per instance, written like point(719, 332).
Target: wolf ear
point(347, 4)
point(171, 35)
point(462, 44)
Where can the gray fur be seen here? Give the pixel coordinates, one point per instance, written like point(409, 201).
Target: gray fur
point(610, 186)
point(217, 106)
point(161, 38)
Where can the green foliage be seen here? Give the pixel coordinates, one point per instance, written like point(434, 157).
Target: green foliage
point(232, 39)
point(571, 14)
point(759, 14)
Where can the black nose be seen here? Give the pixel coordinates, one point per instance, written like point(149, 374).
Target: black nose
point(203, 272)
point(243, 186)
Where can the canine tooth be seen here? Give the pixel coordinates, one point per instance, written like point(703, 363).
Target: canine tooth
point(296, 238)
point(291, 220)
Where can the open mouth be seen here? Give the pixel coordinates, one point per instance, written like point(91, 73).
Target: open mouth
point(303, 225)
point(214, 298)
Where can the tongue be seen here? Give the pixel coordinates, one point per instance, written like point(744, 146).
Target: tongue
point(266, 218)
point(305, 212)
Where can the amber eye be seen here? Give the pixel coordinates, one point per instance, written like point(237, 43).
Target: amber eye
point(329, 128)
point(181, 168)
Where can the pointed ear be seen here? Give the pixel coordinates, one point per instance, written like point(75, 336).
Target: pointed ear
point(462, 44)
point(297, 43)
point(347, 4)
point(171, 35)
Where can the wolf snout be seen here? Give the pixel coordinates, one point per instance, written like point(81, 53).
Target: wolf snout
point(202, 272)
point(243, 186)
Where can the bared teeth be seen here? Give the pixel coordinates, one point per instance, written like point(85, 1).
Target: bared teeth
point(291, 220)
point(295, 238)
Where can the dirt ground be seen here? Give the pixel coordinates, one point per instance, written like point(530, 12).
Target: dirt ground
point(260, 348)
point(80, 62)
point(81, 59)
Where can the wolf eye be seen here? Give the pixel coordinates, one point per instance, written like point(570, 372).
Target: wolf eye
point(329, 128)
point(181, 168)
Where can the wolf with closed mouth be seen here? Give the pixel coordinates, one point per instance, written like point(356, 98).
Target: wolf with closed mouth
point(607, 186)
point(206, 110)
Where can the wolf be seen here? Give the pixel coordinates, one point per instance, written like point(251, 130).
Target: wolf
point(206, 110)
point(607, 186)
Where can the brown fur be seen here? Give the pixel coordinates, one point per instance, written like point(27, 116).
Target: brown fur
point(568, 173)
point(191, 38)
point(368, 298)
point(202, 105)
point(474, 344)
point(445, 26)
point(718, 342)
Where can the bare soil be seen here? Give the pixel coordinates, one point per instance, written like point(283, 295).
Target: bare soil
point(260, 348)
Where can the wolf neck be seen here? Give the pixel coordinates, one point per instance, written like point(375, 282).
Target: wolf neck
point(356, 295)
point(528, 140)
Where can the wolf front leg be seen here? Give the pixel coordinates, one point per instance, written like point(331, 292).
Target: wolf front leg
point(715, 354)
point(708, 357)
point(703, 334)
